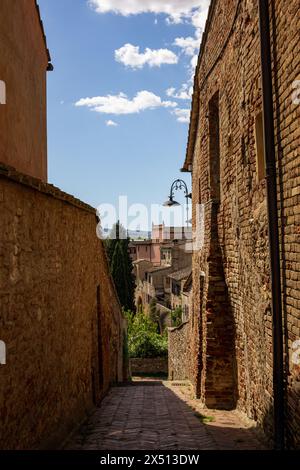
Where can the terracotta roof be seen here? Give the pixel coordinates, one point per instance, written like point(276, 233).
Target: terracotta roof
point(188, 283)
point(139, 261)
point(154, 270)
point(50, 66)
point(180, 275)
point(140, 242)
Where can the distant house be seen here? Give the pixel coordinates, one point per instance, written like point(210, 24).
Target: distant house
point(157, 249)
point(187, 298)
point(154, 262)
point(178, 281)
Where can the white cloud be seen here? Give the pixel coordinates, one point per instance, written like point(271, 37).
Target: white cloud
point(193, 12)
point(184, 93)
point(121, 104)
point(111, 123)
point(176, 10)
point(199, 18)
point(194, 62)
point(188, 45)
point(183, 115)
point(131, 56)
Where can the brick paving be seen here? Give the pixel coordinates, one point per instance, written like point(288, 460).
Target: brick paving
point(156, 415)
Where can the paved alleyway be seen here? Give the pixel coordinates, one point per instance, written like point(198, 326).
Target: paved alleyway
point(157, 415)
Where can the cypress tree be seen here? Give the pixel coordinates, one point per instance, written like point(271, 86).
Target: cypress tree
point(117, 247)
point(119, 274)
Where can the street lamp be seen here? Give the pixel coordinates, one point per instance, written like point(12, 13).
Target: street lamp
point(179, 185)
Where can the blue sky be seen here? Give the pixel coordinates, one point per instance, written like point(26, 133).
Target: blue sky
point(101, 143)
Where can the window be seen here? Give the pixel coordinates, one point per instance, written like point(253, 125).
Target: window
point(2, 92)
point(175, 289)
point(214, 147)
point(260, 148)
point(2, 353)
point(243, 151)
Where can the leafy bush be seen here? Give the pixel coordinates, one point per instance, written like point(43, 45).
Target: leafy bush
point(177, 317)
point(143, 339)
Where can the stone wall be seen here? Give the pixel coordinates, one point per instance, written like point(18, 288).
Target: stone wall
point(151, 366)
point(23, 68)
point(179, 352)
point(231, 336)
point(59, 313)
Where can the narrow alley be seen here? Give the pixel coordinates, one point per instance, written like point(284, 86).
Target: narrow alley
point(152, 414)
point(150, 230)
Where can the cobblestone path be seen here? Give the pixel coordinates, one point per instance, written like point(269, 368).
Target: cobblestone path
point(155, 415)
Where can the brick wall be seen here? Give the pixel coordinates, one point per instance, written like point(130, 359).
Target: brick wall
point(59, 314)
point(179, 352)
point(232, 325)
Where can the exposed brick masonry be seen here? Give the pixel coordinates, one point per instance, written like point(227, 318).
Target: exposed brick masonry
point(231, 335)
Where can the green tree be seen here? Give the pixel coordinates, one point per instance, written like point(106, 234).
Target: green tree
point(129, 279)
point(154, 313)
point(177, 317)
point(117, 233)
point(117, 248)
point(119, 274)
point(143, 339)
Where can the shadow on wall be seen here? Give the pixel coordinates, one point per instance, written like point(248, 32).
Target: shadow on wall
point(292, 432)
point(281, 186)
point(292, 376)
point(219, 379)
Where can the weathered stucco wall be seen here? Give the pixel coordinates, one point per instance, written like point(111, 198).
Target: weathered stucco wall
point(59, 314)
point(23, 65)
point(232, 324)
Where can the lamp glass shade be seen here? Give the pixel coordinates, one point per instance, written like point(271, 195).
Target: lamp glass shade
point(171, 203)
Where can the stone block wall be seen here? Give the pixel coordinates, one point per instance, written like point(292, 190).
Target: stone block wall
point(179, 352)
point(232, 322)
point(151, 366)
point(60, 317)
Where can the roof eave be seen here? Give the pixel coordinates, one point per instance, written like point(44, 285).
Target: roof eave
point(194, 119)
point(50, 65)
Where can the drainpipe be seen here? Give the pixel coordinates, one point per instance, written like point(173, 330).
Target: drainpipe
point(270, 162)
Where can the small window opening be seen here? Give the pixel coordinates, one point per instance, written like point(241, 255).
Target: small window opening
point(260, 148)
point(214, 146)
